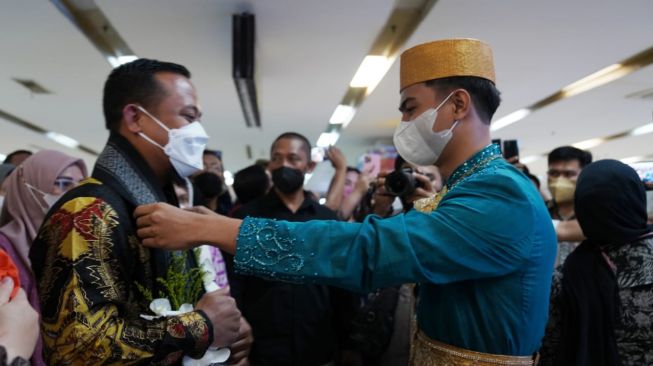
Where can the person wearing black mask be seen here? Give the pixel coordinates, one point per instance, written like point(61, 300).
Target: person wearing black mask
point(601, 307)
point(209, 188)
point(292, 324)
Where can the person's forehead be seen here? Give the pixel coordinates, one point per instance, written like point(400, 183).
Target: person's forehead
point(211, 158)
point(177, 88)
point(565, 164)
point(416, 91)
point(287, 145)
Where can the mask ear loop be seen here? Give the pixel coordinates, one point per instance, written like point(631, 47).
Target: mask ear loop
point(31, 189)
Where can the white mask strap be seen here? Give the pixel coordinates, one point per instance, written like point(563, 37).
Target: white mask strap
point(153, 118)
point(444, 101)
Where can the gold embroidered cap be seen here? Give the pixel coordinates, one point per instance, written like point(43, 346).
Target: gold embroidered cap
point(446, 58)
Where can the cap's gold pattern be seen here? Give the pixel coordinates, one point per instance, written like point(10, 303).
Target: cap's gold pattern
point(446, 58)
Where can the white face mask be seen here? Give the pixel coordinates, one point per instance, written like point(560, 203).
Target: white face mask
point(185, 146)
point(415, 140)
point(50, 199)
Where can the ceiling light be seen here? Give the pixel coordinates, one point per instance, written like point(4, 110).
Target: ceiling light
point(228, 177)
point(371, 72)
point(327, 139)
point(342, 115)
point(601, 77)
point(510, 119)
point(529, 159)
point(62, 139)
point(588, 144)
point(120, 60)
point(642, 130)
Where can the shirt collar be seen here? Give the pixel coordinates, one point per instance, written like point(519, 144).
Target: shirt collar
point(476, 162)
point(273, 200)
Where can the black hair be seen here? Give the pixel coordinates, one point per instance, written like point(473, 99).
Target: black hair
point(209, 185)
point(534, 179)
point(250, 183)
point(134, 82)
point(14, 153)
point(352, 169)
point(570, 153)
point(306, 145)
point(216, 153)
point(485, 96)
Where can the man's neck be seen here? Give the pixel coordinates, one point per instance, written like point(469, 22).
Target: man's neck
point(463, 152)
point(566, 210)
point(292, 200)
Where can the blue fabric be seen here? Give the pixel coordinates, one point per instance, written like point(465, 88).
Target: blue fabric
point(483, 259)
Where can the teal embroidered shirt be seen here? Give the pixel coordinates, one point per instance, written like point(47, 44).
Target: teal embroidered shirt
point(483, 259)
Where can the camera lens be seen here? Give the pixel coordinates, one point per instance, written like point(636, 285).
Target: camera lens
point(400, 182)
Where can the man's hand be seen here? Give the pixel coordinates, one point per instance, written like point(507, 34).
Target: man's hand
point(240, 349)
point(337, 158)
point(19, 323)
point(425, 191)
point(161, 225)
point(381, 199)
point(221, 309)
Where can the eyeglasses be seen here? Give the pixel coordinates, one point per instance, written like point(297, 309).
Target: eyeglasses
point(555, 173)
point(65, 183)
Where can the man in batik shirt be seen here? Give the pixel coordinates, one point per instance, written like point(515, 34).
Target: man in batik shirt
point(95, 279)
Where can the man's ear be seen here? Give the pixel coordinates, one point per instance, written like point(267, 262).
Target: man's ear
point(311, 166)
point(131, 117)
point(462, 102)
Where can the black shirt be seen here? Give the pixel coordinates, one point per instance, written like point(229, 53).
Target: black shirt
point(292, 324)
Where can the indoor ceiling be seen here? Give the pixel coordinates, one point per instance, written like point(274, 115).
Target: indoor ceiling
point(306, 54)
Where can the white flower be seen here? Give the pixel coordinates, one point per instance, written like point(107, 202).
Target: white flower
point(161, 307)
point(212, 356)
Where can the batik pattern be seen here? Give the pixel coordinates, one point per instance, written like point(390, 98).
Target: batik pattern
point(91, 307)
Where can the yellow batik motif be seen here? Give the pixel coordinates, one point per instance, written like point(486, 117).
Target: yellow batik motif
point(429, 204)
point(89, 301)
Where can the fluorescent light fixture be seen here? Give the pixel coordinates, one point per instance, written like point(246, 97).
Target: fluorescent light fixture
point(529, 159)
point(62, 139)
point(371, 72)
point(633, 159)
point(510, 119)
point(327, 139)
point(228, 177)
point(117, 61)
point(642, 130)
point(588, 144)
point(342, 115)
point(601, 77)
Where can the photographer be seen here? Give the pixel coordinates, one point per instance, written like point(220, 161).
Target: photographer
point(409, 182)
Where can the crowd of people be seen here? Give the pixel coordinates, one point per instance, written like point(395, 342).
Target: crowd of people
point(455, 257)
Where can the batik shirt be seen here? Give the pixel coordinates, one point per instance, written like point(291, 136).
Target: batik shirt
point(483, 258)
point(633, 265)
point(93, 272)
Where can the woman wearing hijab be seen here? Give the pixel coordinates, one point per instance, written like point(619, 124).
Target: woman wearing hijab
point(601, 310)
point(31, 189)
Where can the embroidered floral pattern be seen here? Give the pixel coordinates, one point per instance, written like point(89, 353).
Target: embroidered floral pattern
point(265, 243)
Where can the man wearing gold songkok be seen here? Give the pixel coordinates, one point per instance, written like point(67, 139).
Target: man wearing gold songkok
point(482, 251)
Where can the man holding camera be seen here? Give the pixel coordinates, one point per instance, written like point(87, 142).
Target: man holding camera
point(482, 250)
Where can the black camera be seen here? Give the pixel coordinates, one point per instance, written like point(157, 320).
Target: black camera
point(401, 182)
